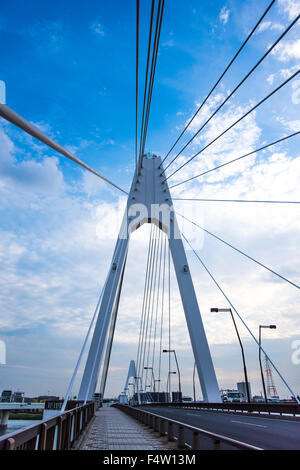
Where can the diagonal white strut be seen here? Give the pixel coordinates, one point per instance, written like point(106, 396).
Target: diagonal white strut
point(149, 201)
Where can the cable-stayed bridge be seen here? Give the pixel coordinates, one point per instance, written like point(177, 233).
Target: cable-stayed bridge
point(150, 201)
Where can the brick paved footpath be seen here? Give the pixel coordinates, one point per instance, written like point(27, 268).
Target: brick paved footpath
point(112, 429)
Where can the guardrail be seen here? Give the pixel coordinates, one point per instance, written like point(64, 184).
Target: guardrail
point(271, 408)
point(57, 404)
point(57, 433)
point(159, 424)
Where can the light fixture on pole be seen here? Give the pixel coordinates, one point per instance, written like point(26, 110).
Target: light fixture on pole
point(151, 368)
point(169, 391)
point(242, 349)
point(179, 381)
point(194, 388)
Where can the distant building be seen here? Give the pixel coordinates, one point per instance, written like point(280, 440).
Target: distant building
point(241, 386)
point(6, 396)
point(258, 398)
point(229, 395)
point(187, 399)
point(177, 397)
point(43, 398)
point(18, 397)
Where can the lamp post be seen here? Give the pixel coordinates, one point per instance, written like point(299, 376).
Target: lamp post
point(131, 400)
point(272, 327)
point(151, 368)
point(171, 372)
point(138, 388)
point(194, 388)
point(179, 382)
point(242, 349)
point(158, 381)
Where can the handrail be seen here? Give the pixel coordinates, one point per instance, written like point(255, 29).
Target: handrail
point(277, 408)
point(57, 433)
point(157, 422)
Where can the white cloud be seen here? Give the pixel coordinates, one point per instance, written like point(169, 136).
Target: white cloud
point(293, 126)
point(43, 177)
point(97, 28)
point(287, 50)
point(224, 15)
point(52, 268)
point(290, 7)
point(241, 139)
point(283, 73)
point(47, 34)
point(265, 25)
point(169, 43)
point(270, 233)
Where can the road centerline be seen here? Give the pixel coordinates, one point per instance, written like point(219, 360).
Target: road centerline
point(249, 424)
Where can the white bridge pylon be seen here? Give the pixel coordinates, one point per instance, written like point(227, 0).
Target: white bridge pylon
point(149, 201)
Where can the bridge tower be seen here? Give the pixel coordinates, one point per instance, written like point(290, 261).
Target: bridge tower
point(149, 201)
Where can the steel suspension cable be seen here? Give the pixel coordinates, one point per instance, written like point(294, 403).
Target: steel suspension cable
point(219, 79)
point(236, 159)
point(235, 123)
point(141, 371)
point(157, 299)
point(149, 304)
point(146, 79)
point(144, 296)
point(240, 317)
point(153, 67)
point(29, 128)
point(241, 252)
point(169, 316)
point(235, 89)
point(234, 200)
point(162, 313)
point(71, 383)
point(154, 292)
point(147, 284)
point(137, 78)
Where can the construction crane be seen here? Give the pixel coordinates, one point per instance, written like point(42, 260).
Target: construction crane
point(271, 388)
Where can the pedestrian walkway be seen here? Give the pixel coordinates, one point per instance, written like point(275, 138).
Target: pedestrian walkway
point(114, 430)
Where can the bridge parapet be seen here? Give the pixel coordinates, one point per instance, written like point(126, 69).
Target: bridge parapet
point(58, 433)
point(166, 427)
point(280, 409)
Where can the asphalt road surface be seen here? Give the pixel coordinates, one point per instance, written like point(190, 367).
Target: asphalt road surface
point(267, 433)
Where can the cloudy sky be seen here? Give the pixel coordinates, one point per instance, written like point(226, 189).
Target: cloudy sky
point(69, 68)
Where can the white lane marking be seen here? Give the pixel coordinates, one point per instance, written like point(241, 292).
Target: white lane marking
point(249, 424)
point(240, 422)
point(260, 417)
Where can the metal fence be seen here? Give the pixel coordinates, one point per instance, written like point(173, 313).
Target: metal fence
point(176, 430)
point(270, 408)
point(57, 433)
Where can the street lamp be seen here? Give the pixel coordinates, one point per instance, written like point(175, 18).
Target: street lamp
point(179, 382)
point(242, 349)
point(138, 389)
point(171, 372)
point(194, 388)
point(133, 385)
point(151, 368)
point(272, 327)
point(158, 380)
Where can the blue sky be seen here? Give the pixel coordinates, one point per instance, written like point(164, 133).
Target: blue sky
point(69, 67)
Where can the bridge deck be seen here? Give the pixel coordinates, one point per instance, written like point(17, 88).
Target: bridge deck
point(114, 430)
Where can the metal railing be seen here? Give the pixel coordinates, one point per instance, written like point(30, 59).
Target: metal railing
point(166, 427)
point(57, 433)
point(270, 408)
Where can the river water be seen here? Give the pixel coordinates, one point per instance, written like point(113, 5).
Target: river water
point(18, 424)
